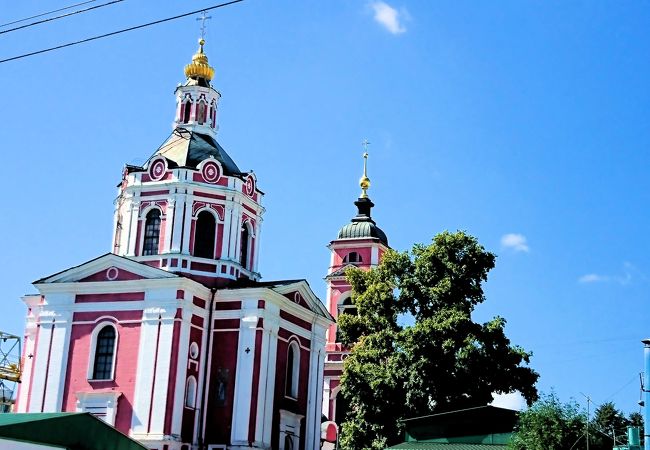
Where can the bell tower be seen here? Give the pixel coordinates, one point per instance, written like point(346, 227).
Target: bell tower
point(190, 209)
point(360, 243)
point(196, 100)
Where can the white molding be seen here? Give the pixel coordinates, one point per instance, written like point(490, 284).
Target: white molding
point(93, 349)
point(95, 402)
point(290, 426)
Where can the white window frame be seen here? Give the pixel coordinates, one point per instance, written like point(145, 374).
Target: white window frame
point(190, 403)
point(102, 405)
point(93, 348)
point(143, 227)
point(289, 426)
point(358, 258)
point(292, 391)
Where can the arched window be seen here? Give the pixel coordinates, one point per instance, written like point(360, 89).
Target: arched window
point(151, 232)
point(204, 235)
point(288, 442)
point(190, 392)
point(104, 354)
point(245, 244)
point(352, 258)
point(345, 306)
point(186, 111)
point(200, 112)
point(293, 370)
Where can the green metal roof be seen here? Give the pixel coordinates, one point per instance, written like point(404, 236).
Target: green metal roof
point(441, 446)
point(73, 431)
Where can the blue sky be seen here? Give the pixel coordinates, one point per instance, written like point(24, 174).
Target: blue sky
point(525, 123)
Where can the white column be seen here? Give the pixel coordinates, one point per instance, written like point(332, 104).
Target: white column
point(244, 371)
point(235, 226)
point(227, 220)
point(189, 202)
point(374, 255)
point(326, 397)
point(40, 364)
point(264, 419)
point(132, 232)
point(315, 392)
point(58, 362)
point(155, 337)
point(256, 255)
point(28, 351)
point(169, 225)
point(181, 370)
point(177, 223)
point(159, 400)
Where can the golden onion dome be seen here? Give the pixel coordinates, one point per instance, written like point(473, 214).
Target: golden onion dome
point(364, 181)
point(199, 67)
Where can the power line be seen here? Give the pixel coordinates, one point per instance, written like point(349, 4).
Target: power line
point(79, 11)
point(94, 38)
point(46, 13)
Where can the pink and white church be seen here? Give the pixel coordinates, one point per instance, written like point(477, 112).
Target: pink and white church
point(172, 337)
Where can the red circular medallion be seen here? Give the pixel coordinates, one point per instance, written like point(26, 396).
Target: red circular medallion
point(157, 169)
point(249, 188)
point(211, 171)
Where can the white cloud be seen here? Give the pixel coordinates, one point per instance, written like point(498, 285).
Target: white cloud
point(389, 17)
point(622, 279)
point(593, 278)
point(513, 400)
point(515, 241)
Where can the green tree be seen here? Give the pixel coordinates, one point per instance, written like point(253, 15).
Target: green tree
point(443, 360)
point(550, 425)
point(636, 420)
point(607, 423)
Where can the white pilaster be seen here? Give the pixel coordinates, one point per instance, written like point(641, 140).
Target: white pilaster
point(189, 203)
point(244, 371)
point(264, 419)
point(181, 370)
point(58, 363)
point(177, 223)
point(315, 392)
point(40, 364)
point(374, 255)
point(132, 233)
point(169, 224)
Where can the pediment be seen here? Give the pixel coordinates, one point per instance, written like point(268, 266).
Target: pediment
point(108, 267)
point(340, 272)
point(301, 293)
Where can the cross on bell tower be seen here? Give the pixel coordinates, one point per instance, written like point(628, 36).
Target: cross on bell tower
point(203, 19)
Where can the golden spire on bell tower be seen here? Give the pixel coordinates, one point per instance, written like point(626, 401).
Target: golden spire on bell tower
point(364, 181)
point(199, 67)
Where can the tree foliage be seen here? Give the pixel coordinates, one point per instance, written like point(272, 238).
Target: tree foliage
point(443, 361)
point(550, 425)
point(607, 423)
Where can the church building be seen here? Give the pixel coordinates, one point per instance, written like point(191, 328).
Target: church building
point(172, 337)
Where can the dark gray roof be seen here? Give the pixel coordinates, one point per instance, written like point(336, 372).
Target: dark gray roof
point(360, 230)
point(362, 226)
point(186, 148)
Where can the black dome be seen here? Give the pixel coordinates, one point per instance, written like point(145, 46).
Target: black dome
point(362, 226)
point(360, 230)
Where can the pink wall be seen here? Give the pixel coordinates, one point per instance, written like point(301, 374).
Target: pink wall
point(128, 341)
point(281, 401)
